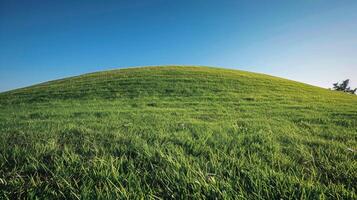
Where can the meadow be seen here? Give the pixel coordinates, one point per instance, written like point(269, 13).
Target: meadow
point(177, 133)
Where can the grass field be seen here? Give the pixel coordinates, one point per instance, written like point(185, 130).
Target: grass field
point(177, 132)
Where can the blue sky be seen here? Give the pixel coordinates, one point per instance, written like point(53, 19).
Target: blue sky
point(312, 41)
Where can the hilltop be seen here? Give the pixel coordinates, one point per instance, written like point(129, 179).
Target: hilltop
point(177, 132)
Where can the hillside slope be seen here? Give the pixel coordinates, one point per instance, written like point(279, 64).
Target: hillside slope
point(177, 132)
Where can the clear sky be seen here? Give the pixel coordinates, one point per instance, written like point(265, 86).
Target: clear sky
point(312, 41)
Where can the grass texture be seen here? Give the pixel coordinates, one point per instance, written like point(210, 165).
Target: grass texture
point(177, 133)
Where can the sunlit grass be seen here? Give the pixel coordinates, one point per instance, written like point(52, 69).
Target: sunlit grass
point(177, 132)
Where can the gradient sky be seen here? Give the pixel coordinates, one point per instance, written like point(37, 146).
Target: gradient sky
point(312, 41)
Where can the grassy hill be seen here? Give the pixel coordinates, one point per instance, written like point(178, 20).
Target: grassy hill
point(177, 132)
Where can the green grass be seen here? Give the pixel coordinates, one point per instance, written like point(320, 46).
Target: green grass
point(177, 132)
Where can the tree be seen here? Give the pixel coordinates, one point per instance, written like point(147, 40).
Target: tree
point(344, 87)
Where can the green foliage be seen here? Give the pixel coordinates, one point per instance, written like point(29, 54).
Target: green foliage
point(177, 132)
point(344, 87)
